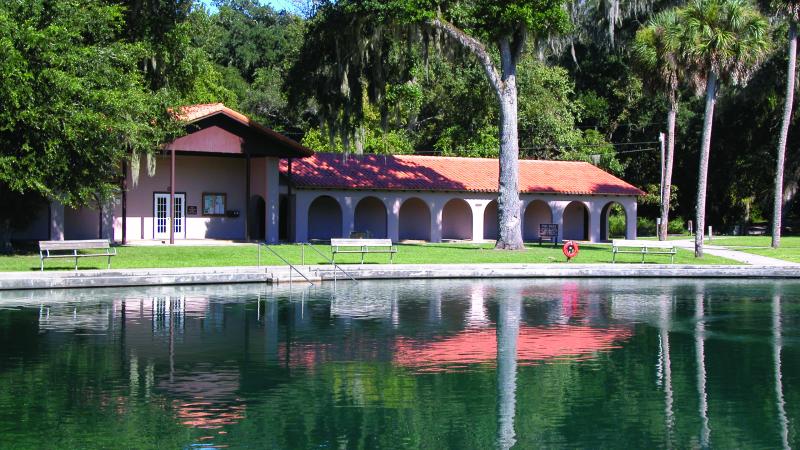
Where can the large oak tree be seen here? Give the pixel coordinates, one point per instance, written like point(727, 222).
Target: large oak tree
point(495, 33)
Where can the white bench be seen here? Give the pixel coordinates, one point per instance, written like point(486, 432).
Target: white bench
point(363, 246)
point(69, 249)
point(642, 247)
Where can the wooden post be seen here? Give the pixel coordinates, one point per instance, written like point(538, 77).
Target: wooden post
point(247, 198)
point(289, 221)
point(124, 189)
point(171, 209)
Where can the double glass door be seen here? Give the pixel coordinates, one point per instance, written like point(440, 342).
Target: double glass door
point(161, 209)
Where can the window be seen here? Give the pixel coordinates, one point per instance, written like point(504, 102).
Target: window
point(214, 204)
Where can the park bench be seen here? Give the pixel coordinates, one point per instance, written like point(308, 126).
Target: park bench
point(363, 246)
point(642, 247)
point(548, 231)
point(69, 249)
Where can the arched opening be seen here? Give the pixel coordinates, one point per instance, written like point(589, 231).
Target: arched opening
point(490, 230)
point(613, 222)
point(415, 220)
point(258, 217)
point(324, 218)
point(457, 220)
point(536, 213)
point(576, 222)
point(370, 218)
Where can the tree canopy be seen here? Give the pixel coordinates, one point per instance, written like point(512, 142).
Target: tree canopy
point(86, 84)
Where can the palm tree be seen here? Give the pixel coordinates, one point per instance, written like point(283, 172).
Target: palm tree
point(657, 49)
point(790, 9)
point(722, 41)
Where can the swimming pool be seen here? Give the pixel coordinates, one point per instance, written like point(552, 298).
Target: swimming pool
point(404, 364)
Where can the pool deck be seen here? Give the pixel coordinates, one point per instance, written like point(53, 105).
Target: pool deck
point(282, 274)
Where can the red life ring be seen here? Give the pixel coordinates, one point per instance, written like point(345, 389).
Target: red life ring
point(570, 249)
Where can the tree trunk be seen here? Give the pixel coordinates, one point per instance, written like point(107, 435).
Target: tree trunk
point(667, 186)
point(508, 203)
point(705, 149)
point(787, 117)
point(504, 85)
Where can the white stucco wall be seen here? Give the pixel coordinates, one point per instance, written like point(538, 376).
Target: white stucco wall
point(81, 223)
point(371, 218)
point(535, 213)
point(194, 176)
point(435, 202)
point(415, 220)
point(324, 218)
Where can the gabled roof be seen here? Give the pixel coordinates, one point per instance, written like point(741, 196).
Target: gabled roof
point(252, 137)
point(439, 173)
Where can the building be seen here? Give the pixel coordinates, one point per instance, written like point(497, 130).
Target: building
point(432, 198)
point(231, 178)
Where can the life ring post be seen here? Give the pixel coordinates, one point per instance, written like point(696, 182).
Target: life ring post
point(570, 250)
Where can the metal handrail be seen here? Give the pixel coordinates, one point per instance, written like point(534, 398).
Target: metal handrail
point(331, 262)
point(291, 266)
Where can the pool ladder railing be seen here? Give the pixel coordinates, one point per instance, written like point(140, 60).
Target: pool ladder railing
point(291, 266)
point(335, 266)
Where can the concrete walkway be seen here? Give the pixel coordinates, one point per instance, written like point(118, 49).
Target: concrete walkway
point(742, 257)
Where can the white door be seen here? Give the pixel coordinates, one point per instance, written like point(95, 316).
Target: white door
point(161, 217)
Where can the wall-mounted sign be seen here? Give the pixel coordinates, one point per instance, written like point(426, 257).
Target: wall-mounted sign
point(191, 210)
point(214, 204)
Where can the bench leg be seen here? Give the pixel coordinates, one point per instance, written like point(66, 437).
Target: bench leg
point(644, 250)
point(42, 264)
point(109, 262)
point(613, 257)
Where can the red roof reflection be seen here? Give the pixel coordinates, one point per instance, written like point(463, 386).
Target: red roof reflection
point(479, 346)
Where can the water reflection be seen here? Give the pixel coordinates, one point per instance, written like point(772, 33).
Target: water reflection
point(507, 339)
point(448, 364)
point(664, 368)
point(783, 420)
point(699, 345)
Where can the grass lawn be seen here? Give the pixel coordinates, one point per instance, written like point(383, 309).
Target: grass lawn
point(760, 245)
point(246, 255)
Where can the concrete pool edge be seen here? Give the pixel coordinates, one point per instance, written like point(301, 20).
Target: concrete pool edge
point(282, 274)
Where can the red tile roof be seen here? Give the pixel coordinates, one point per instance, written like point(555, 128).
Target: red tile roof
point(194, 113)
point(439, 173)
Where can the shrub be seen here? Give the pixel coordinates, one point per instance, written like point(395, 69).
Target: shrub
point(645, 226)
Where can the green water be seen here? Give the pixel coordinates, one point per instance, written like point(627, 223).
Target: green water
point(411, 364)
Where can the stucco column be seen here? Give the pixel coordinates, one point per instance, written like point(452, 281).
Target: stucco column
point(56, 221)
point(348, 214)
point(477, 218)
point(630, 219)
point(595, 216)
point(300, 210)
point(272, 200)
point(436, 221)
point(393, 218)
point(107, 214)
point(557, 208)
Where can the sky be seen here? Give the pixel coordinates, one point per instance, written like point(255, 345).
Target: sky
point(277, 4)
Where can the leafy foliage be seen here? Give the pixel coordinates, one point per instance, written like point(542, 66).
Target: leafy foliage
point(75, 103)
